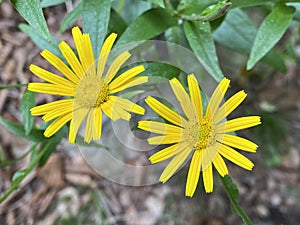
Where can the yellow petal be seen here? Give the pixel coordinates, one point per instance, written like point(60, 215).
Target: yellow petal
point(183, 98)
point(159, 128)
point(59, 111)
point(98, 122)
point(216, 98)
point(236, 157)
point(60, 66)
point(168, 152)
point(107, 45)
point(174, 164)
point(52, 106)
point(90, 127)
point(208, 179)
point(78, 116)
point(193, 174)
point(57, 124)
point(71, 58)
point(220, 165)
point(165, 139)
point(195, 94)
point(230, 105)
point(165, 112)
point(125, 77)
point(115, 66)
point(88, 60)
point(51, 89)
point(238, 124)
point(51, 77)
point(130, 83)
point(238, 142)
point(127, 105)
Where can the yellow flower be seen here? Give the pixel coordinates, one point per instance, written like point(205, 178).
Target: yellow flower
point(89, 92)
point(203, 134)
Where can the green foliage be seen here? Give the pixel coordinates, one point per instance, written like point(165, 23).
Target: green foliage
point(47, 3)
point(201, 41)
point(270, 32)
point(28, 102)
point(238, 32)
point(95, 18)
point(71, 17)
point(35, 135)
point(233, 194)
point(40, 41)
point(158, 2)
point(148, 25)
point(31, 11)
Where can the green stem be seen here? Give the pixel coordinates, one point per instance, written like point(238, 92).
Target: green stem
point(12, 86)
point(15, 184)
point(234, 201)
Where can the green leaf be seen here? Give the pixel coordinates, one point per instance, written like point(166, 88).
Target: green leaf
point(47, 3)
point(127, 11)
point(160, 3)
point(237, 32)
point(247, 3)
point(18, 177)
point(189, 7)
point(201, 41)
point(12, 86)
point(151, 23)
point(270, 31)
point(41, 42)
point(27, 102)
point(71, 17)
point(233, 194)
point(50, 145)
point(116, 23)
point(35, 135)
point(32, 12)
point(95, 18)
point(297, 13)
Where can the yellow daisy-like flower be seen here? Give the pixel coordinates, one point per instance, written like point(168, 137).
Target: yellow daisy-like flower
point(204, 134)
point(89, 91)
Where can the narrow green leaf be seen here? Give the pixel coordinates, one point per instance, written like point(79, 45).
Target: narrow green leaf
point(35, 135)
point(32, 12)
point(47, 3)
point(12, 86)
point(27, 102)
point(116, 23)
point(18, 177)
point(201, 41)
point(237, 32)
point(151, 23)
point(71, 17)
point(270, 31)
point(41, 42)
point(95, 18)
point(160, 3)
point(233, 194)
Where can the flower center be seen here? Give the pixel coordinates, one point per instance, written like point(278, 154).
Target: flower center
point(103, 95)
point(205, 134)
point(91, 92)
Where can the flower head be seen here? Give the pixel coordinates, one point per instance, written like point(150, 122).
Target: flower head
point(204, 134)
point(90, 89)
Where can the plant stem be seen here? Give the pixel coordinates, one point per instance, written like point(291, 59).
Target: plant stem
point(235, 204)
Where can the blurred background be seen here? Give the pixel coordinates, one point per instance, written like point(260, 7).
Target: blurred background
point(67, 191)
